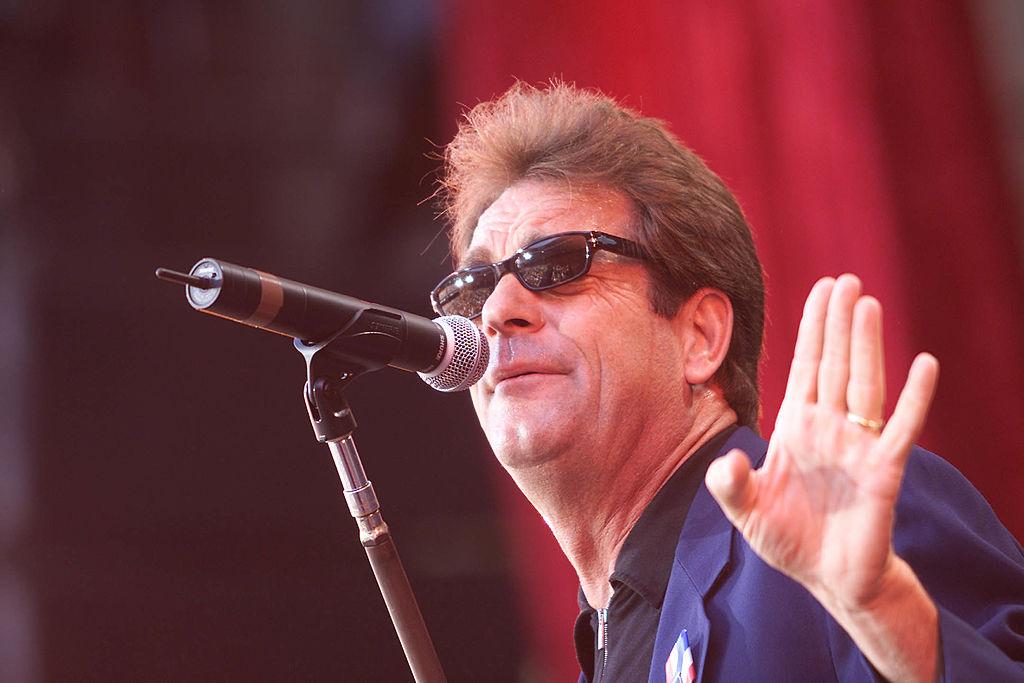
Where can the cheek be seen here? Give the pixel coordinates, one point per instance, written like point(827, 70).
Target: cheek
point(629, 363)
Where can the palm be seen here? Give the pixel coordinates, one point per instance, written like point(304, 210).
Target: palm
point(821, 507)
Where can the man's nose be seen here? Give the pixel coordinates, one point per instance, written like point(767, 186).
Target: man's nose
point(511, 307)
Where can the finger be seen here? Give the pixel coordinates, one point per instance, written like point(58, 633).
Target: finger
point(834, 373)
point(733, 484)
point(911, 407)
point(865, 393)
point(802, 384)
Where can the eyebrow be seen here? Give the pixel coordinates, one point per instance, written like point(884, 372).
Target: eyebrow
point(479, 255)
point(473, 257)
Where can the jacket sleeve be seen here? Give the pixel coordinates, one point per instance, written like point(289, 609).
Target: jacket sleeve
point(971, 566)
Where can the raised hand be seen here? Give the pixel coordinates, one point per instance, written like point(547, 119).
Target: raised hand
point(821, 507)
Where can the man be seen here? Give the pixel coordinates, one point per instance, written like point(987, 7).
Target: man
point(617, 282)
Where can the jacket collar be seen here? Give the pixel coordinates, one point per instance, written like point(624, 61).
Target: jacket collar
point(702, 556)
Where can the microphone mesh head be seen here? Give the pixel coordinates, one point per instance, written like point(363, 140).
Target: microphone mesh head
point(465, 359)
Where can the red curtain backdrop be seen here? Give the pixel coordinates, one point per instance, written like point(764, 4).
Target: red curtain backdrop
point(858, 137)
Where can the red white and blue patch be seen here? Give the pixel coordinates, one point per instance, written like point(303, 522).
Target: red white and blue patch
point(679, 667)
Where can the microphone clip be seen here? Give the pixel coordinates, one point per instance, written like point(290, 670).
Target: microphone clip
point(332, 363)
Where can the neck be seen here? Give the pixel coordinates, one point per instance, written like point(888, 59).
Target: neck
point(591, 514)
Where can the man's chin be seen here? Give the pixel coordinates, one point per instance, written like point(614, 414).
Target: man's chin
point(520, 448)
point(521, 461)
point(526, 432)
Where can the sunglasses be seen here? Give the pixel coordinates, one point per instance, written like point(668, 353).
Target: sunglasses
point(547, 263)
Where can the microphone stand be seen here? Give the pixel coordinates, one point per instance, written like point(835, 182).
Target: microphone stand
point(328, 370)
point(367, 342)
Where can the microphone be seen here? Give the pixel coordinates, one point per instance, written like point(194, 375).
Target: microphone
point(449, 353)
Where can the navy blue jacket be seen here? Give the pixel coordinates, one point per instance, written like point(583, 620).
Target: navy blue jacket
point(746, 621)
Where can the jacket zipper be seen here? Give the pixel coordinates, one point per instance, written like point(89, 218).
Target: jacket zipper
point(602, 637)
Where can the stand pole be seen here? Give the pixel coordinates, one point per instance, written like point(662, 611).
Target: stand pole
point(387, 566)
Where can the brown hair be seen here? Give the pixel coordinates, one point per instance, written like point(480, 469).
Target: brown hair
point(690, 226)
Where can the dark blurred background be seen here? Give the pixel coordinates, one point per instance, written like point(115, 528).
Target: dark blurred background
point(165, 513)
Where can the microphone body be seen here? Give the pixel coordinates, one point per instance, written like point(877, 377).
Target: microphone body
point(449, 353)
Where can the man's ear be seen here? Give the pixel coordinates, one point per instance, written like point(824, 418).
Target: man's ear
point(705, 321)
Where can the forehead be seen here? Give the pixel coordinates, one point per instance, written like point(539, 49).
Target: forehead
point(532, 209)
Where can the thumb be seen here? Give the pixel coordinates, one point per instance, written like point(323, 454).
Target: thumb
point(733, 484)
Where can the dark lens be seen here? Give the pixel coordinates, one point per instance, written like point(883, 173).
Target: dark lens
point(550, 262)
point(464, 292)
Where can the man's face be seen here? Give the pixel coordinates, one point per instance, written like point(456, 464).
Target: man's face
point(580, 370)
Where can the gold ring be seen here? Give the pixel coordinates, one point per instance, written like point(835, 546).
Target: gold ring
point(873, 425)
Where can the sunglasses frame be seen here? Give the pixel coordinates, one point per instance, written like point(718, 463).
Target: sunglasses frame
point(595, 241)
